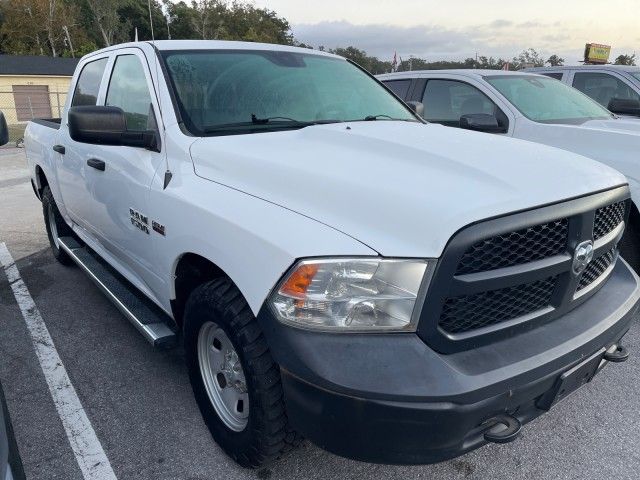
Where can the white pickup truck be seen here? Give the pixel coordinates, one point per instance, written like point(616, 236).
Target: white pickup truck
point(615, 87)
point(535, 108)
point(335, 268)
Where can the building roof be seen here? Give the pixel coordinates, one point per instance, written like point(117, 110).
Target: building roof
point(37, 65)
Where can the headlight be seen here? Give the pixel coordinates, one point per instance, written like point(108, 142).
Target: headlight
point(350, 294)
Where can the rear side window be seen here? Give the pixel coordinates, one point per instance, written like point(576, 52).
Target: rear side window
point(399, 87)
point(86, 92)
point(128, 90)
point(603, 87)
point(557, 76)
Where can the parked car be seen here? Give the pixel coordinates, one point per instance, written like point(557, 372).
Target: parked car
point(10, 462)
point(393, 291)
point(616, 87)
point(530, 107)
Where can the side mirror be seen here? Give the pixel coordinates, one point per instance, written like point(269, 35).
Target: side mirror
point(416, 107)
point(104, 125)
point(481, 122)
point(4, 130)
point(624, 106)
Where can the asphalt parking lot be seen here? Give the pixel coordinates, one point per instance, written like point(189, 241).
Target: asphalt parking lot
point(139, 400)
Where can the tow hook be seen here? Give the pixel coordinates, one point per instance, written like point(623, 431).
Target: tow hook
point(617, 354)
point(503, 428)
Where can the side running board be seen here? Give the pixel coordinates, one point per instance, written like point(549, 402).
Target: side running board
point(148, 319)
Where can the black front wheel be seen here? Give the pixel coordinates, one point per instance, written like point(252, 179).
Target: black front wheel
point(235, 380)
point(56, 226)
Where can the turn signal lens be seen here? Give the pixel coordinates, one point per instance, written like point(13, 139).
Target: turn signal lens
point(359, 294)
point(298, 282)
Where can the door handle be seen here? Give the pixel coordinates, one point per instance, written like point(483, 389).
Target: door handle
point(59, 148)
point(97, 164)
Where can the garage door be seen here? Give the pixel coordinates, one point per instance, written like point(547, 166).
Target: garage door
point(32, 101)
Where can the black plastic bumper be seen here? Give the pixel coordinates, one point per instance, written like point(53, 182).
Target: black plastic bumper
point(389, 398)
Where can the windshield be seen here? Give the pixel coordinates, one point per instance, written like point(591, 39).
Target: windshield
point(223, 92)
point(547, 100)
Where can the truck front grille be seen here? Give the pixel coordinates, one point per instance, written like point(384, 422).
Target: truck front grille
point(515, 248)
point(596, 268)
point(466, 313)
point(494, 279)
point(608, 218)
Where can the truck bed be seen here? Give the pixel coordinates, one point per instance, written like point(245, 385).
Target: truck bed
point(48, 122)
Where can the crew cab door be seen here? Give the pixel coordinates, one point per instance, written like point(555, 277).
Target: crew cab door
point(123, 175)
point(75, 180)
point(447, 98)
point(604, 86)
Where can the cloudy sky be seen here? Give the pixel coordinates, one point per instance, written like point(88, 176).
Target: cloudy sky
point(436, 29)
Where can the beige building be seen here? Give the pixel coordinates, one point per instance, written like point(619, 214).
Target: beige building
point(33, 86)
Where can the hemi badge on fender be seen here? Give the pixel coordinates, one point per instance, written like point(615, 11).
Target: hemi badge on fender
point(157, 227)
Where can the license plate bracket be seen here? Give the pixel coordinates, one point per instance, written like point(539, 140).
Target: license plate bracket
point(571, 380)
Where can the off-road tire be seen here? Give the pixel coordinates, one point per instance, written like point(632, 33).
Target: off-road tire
point(267, 435)
point(63, 230)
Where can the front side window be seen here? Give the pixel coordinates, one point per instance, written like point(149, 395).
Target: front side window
point(603, 87)
point(445, 101)
point(88, 85)
point(128, 90)
point(230, 92)
point(546, 100)
point(635, 75)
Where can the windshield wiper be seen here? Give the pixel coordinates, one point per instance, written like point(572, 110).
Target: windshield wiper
point(262, 121)
point(371, 118)
point(265, 124)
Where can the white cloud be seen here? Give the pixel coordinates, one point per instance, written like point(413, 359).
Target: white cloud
point(497, 38)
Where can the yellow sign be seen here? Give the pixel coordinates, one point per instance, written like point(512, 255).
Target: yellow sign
point(596, 53)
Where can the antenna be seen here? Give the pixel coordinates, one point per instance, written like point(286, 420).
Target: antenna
point(167, 173)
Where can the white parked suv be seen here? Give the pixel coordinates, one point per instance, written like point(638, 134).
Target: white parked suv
point(530, 107)
point(335, 268)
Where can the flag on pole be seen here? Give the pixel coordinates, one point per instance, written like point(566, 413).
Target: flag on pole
point(394, 63)
point(505, 66)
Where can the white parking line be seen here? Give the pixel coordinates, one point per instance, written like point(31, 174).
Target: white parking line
point(91, 458)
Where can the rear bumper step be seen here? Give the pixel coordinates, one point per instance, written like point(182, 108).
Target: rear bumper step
point(148, 319)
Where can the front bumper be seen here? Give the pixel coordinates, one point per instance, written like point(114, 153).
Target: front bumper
point(389, 398)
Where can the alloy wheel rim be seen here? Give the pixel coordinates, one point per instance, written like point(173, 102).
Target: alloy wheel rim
point(223, 376)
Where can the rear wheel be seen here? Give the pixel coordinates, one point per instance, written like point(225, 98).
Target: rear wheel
point(235, 380)
point(55, 225)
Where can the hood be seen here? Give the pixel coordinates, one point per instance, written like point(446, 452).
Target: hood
point(621, 124)
point(614, 142)
point(401, 188)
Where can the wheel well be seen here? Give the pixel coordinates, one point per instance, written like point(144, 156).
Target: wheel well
point(42, 180)
point(192, 270)
point(634, 218)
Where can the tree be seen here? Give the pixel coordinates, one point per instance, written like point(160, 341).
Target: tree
point(625, 60)
point(37, 26)
point(137, 12)
point(371, 64)
point(111, 26)
point(555, 61)
point(528, 57)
